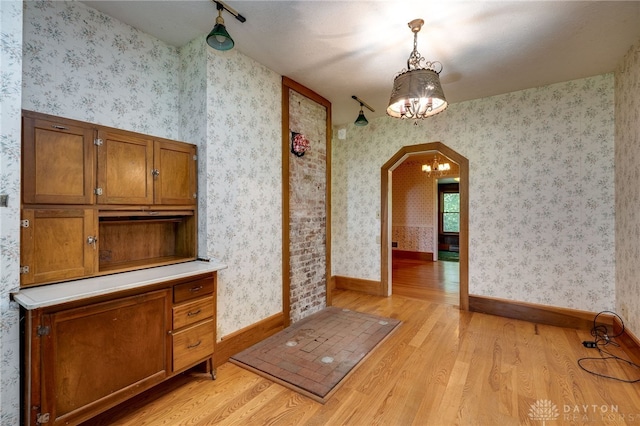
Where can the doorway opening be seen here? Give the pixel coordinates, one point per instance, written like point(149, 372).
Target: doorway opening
point(462, 215)
point(448, 219)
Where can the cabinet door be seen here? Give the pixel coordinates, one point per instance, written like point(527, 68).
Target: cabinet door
point(175, 181)
point(125, 166)
point(57, 162)
point(55, 245)
point(99, 355)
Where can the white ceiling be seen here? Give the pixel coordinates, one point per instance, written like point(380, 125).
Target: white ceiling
point(351, 47)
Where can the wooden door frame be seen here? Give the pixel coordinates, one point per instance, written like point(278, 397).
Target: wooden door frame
point(287, 85)
point(385, 222)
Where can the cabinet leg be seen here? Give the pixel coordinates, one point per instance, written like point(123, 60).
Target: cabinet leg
point(212, 370)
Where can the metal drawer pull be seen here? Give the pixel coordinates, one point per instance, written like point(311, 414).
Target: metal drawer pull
point(195, 289)
point(55, 126)
point(190, 314)
point(195, 345)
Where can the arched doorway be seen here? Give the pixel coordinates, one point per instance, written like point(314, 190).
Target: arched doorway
point(385, 220)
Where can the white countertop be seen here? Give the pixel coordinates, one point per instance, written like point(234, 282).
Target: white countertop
point(54, 294)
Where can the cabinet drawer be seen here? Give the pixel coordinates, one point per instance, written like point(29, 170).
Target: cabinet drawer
point(192, 312)
point(193, 289)
point(192, 344)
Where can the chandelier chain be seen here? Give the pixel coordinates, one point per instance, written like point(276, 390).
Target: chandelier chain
point(415, 59)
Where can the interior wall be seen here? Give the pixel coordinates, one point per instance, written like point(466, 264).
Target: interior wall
point(10, 143)
point(82, 64)
point(193, 121)
point(414, 200)
point(243, 190)
point(541, 210)
point(627, 188)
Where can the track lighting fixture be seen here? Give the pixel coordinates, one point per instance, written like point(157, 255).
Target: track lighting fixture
point(219, 38)
point(362, 120)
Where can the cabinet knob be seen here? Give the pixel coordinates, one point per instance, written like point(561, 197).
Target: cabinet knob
point(155, 172)
point(92, 241)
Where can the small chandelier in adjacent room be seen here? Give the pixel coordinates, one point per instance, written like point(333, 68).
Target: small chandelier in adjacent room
point(417, 92)
point(362, 120)
point(219, 38)
point(436, 168)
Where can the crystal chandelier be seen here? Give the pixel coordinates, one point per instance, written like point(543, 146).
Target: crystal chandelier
point(436, 168)
point(417, 92)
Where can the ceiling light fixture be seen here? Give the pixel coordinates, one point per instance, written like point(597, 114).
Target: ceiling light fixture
point(436, 168)
point(362, 120)
point(417, 92)
point(219, 38)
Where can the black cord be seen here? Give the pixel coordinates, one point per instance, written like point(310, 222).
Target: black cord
point(602, 340)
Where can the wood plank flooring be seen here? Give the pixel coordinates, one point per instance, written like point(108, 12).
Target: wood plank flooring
point(441, 367)
point(426, 280)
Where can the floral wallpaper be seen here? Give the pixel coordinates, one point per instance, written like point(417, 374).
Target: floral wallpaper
point(627, 156)
point(541, 213)
point(10, 142)
point(413, 199)
point(243, 189)
point(82, 64)
point(193, 120)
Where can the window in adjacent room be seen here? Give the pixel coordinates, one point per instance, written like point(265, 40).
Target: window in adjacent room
point(450, 215)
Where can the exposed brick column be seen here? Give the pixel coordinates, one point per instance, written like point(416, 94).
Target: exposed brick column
point(307, 209)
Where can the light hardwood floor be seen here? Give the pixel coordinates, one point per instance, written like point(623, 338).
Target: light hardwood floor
point(426, 280)
point(443, 366)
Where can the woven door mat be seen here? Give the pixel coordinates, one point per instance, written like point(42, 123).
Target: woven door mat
point(316, 354)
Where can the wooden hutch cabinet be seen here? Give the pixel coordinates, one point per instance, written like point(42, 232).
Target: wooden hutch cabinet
point(100, 200)
point(113, 297)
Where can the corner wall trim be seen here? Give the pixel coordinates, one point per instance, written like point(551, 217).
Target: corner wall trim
point(629, 342)
point(541, 314)
point(357, 284)
point(240, 340)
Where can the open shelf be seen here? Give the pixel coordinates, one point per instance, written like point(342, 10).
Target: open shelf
point(131, 242)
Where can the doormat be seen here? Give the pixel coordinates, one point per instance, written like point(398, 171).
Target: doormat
point(316, 354)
